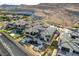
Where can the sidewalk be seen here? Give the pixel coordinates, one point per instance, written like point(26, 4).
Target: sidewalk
point(54, 52)
point(32, 51)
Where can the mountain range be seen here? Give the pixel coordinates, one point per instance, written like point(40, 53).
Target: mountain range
point(65, 14)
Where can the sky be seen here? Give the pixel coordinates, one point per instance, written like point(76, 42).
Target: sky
point(28, 2)
point(34, 2)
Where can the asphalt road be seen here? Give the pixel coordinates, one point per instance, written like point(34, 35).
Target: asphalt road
point(13, 49)
point(3, 51)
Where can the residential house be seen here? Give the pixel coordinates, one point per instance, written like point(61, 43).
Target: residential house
point(68, 44)
point(40, 37)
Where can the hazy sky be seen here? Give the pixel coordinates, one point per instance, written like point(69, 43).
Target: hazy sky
point(32, 2)
point(29, 2)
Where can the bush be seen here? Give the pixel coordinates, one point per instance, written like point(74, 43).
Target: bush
point(76, 25)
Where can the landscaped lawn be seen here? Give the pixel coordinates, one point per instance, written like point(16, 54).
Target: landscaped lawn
point(1, 24)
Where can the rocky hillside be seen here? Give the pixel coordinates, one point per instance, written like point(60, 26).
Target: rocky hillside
point(59, 14)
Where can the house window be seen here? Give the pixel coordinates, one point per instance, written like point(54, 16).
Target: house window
point(76, 52)
point(65, 50)
point(41, 38)
point(73, 37)
point(58, 55)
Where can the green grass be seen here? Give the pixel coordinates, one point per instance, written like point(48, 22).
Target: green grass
point(1, 24)
point(6, 34)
